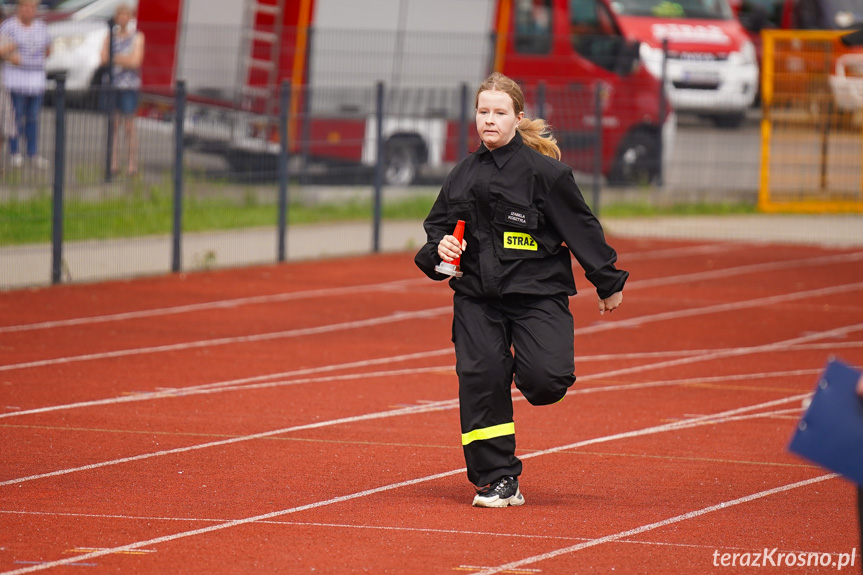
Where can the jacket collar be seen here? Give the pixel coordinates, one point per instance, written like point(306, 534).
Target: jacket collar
point(502, 155)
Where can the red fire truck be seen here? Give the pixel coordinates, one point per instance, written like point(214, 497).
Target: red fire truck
point(235, 55)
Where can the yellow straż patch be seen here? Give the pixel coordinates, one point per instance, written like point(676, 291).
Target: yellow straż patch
point(519, 241)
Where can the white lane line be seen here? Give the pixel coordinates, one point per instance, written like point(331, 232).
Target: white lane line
point(327, 292)
point(702, 420)
point(307, 294)
point(723, 307)
point(732, 352)
point(710, 419)
point(233, 385)
point(687, 381)
point(403, 316)
point(219, 304)
point(230, 384)
point(752, 268)
point(375, 321)
point(685, 352)
point(676, 252)
point(656, 525)
point(430, 530)
point(432, 406)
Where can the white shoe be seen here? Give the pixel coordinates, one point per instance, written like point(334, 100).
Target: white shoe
point(17, 160)
point(39, 162)
point(501, 493)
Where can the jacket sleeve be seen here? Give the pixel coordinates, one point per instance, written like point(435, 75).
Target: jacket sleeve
point(581, 231)
point(435, 226)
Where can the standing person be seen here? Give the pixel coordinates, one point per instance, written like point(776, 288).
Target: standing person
point(524, 214)
point(860, 490)
point(128, 48)
point(8, 53)
point(25, 79)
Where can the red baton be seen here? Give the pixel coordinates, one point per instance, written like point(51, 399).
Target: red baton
point(453, 269)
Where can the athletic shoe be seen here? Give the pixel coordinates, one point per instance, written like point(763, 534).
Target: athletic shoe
point(499, 493)
point(17, 160)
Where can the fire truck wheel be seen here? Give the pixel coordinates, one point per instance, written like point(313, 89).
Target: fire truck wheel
point(733, 120)
point(637, 160)
point(401, 163)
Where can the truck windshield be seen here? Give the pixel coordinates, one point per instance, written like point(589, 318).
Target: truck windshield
point(691, 9)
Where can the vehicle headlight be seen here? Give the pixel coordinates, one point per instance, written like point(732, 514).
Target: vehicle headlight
point(747, 52)
point(64, 44)
point(652, 58)
point(844, 19)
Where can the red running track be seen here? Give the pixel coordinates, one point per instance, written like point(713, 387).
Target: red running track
point(303, 418)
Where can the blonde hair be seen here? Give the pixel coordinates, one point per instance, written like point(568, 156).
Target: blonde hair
point(536, 132)
point(124, 8)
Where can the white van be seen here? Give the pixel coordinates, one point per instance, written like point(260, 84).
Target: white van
point(77, 39)
point(711, 68)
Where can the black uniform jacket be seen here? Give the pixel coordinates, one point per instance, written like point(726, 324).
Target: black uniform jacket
point(523, 216)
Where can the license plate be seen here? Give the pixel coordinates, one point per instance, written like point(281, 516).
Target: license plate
point(697, 77)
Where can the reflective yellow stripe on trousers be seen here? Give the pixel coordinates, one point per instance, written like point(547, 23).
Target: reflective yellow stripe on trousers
point(488, 432)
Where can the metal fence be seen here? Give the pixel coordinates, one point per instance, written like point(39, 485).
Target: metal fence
point(812, 139)
point(320, 171)
point(220, 187)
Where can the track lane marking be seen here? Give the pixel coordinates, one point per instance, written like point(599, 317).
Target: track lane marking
point(656, 525)
point(424, 314)
point(640, 284)
point(752, 268)
point(722, 307)
point(290, 333)
point(227, 386)
point(206, 306)
point(431, 406)
point(287, 296)
point(711, 419)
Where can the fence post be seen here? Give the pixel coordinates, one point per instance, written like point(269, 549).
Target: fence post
point(663, 108)
point(107, 94)
point(59, 176)
point(540, 100)
point(379, 166)
point(597, 149)
point(179, 121)
point(284, 150)
point(463, 122)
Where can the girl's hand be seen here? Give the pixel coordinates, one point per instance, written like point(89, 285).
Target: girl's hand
point(610, 303)
point(448, 248)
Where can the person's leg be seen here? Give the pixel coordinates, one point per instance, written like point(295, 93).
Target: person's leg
point(115, 121)
point(543, 339)
point(33, 104)
point(131, 143)
point(18, 108)
point(130, 107)
point(484, 367)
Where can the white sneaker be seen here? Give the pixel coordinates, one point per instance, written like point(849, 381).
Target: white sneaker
point(17, 160)
point(501, 493)
point(39, 162)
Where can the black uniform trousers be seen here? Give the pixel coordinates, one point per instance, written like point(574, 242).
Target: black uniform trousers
point(486, 332)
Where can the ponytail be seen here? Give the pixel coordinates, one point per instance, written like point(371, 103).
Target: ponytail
point(537, 134)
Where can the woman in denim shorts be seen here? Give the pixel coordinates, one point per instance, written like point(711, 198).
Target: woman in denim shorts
point(128, 53)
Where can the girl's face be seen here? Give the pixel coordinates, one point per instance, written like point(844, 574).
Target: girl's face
point(496, 119)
